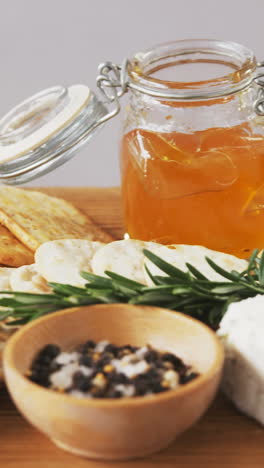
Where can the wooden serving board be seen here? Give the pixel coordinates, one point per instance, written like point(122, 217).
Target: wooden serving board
point(223, 437)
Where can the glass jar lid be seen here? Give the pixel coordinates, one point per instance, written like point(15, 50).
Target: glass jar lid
point(45, 130)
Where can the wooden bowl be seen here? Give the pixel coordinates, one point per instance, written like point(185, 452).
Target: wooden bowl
point(124, 428)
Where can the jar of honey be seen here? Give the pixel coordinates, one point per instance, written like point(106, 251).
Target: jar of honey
point(192, 150)
point(192, 153)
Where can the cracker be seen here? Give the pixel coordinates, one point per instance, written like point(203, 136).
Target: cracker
point(35, 218)
point(5, 274)
point(178, 255)
point(27, 279)
point(12, 251)
point(124, 257)
point(61, 261)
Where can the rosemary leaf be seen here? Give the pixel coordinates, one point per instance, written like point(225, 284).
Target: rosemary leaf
point(196, 273)
point(4, 314)
point(160, 287)
point(121, 290)
point(150, 298)
point(128, 283)
point(170, 280)
point(97, 280)
point(79, 301)
point(187, 292)
point(221, 271)
point(18, 322)
point(42, 312)
point(166, 267)
point(181, 290)
point(65, 289)
point(227, 289)
point(261, 269)
point(155, 279)
point(28, 298)
point(252, 260)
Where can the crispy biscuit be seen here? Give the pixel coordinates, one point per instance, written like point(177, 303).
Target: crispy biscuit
point(180, 254)
point(61, 261)
point(12, 251)
point(124, 257)
point(27, 279)
point(35, 218)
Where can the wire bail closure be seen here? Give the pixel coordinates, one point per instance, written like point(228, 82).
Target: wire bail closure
point(259, 80)
point(113, 83)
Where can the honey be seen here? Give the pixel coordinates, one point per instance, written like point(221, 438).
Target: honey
point(203, 188)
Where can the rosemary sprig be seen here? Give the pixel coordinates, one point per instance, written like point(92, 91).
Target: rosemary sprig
point(188, 292)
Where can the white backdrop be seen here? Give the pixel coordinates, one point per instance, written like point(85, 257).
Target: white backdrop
point(49, 42)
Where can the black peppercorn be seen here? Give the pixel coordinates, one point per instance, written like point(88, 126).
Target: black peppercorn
point(103, 369)
point(187, 378)
point(80, 382)
point(177, 362)
point(85, 361)
point(114, 394)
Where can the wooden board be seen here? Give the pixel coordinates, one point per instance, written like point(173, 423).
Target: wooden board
point(223, 437)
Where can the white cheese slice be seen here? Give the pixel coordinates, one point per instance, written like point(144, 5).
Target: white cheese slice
point(241, 332)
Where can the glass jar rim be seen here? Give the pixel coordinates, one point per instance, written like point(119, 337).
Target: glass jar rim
point(237, 56)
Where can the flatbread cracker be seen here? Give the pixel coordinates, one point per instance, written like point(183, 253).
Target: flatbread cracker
point(27, 279)
point(12, 251)
point(124, 257)
point(5, 274)
point(35, 218)
point(179, 254)
point(62, 261)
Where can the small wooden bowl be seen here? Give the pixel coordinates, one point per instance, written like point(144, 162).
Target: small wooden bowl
point(124, 428)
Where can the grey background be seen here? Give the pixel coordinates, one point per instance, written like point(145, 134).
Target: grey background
point(44, 43)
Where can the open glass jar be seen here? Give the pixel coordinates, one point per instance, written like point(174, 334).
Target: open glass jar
point(192, 152)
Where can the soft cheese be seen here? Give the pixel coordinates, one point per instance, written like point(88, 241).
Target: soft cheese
point(241, 331)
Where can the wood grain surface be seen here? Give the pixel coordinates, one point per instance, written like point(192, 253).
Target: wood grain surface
point(222, 438)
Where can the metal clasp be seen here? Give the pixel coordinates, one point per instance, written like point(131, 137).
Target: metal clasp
point(259, 80)
point(112, 82)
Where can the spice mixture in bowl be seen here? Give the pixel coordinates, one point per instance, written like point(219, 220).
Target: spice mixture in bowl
point(104, 370)
point(122, 427)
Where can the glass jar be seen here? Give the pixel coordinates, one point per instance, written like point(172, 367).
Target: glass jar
point(192, 163)
point(192, 153)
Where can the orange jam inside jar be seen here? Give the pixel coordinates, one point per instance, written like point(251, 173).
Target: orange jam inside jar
point(192, 163)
